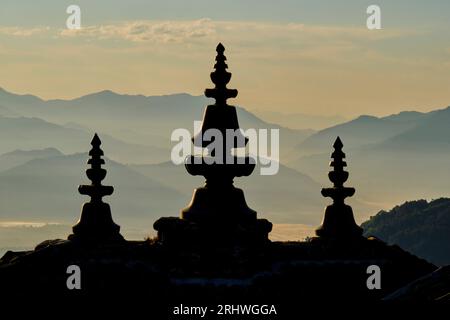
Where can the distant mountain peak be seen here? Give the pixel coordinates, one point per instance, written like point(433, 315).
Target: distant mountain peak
point(366, 117)
point(102, 93)
point(36, 152)
point(12, 95)
point(107, 92)
point(407, 112)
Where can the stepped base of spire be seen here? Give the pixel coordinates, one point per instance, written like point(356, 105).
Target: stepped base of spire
point(216, 216)
point(182, 232)
point(339, 223)
point(96, 225)
point(219, 205)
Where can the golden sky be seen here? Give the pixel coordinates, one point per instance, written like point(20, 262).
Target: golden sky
point(284, 65)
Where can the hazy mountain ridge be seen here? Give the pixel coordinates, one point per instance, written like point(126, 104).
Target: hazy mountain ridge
point(18, 157)
point(301, 120)
point(49, 186)
point(137, 119)
point(382, 173)
point(370, 131)
point(409, 160)
point(35, 133)
point(5, 112)
point(287, 197)
point(364, 130)
point(142, 194)
point(408, 116)
point(431, 133)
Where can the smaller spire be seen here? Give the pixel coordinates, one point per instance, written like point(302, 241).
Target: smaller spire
point(338, 175)
point(220, 77)
point(96, 223)
point(338, 222)
point(96, 174)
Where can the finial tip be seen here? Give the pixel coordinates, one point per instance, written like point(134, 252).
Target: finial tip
point(96, 140)
point(220, 48)
point(338, 143)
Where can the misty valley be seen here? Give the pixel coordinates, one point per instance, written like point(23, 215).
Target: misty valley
point(44, 150)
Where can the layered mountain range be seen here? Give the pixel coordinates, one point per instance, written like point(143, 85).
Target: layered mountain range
point(43, 149)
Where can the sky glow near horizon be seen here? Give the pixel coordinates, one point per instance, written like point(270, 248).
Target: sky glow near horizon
point(286, 56)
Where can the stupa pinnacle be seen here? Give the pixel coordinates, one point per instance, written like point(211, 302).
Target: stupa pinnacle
point(219, 199)
point(338, 221)
point(220, 116)
point(218, 210)
point(96, 174)
point(96, 223)
point(220, 77)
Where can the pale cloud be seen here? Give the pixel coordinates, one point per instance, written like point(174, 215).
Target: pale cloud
point(289, 65)
point(298, 29)
point(347, 32)
point(23, 32)
point(151, 31)
point(261, 40)
point(247, 34)
point(182, 31)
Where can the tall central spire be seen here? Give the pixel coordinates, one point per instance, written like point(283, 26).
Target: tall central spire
point(229, 202)
point(218, 211)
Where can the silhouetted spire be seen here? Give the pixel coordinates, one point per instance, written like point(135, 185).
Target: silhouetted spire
point(220, 77)
point(338, 175)
point(219, 176)
point(96, 174)
point(96, 223)
point(338, 221)
point(218, 209)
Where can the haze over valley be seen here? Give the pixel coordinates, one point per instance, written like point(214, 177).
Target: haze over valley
point(44, 146)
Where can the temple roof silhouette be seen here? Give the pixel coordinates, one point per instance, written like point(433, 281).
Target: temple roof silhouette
point(216, 249)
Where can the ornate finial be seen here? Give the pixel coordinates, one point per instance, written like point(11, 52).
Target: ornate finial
point(338, 144)
point(96, 174)
point(338, 175)
point(338, 221)
point(220, 77)
point(220, 48)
